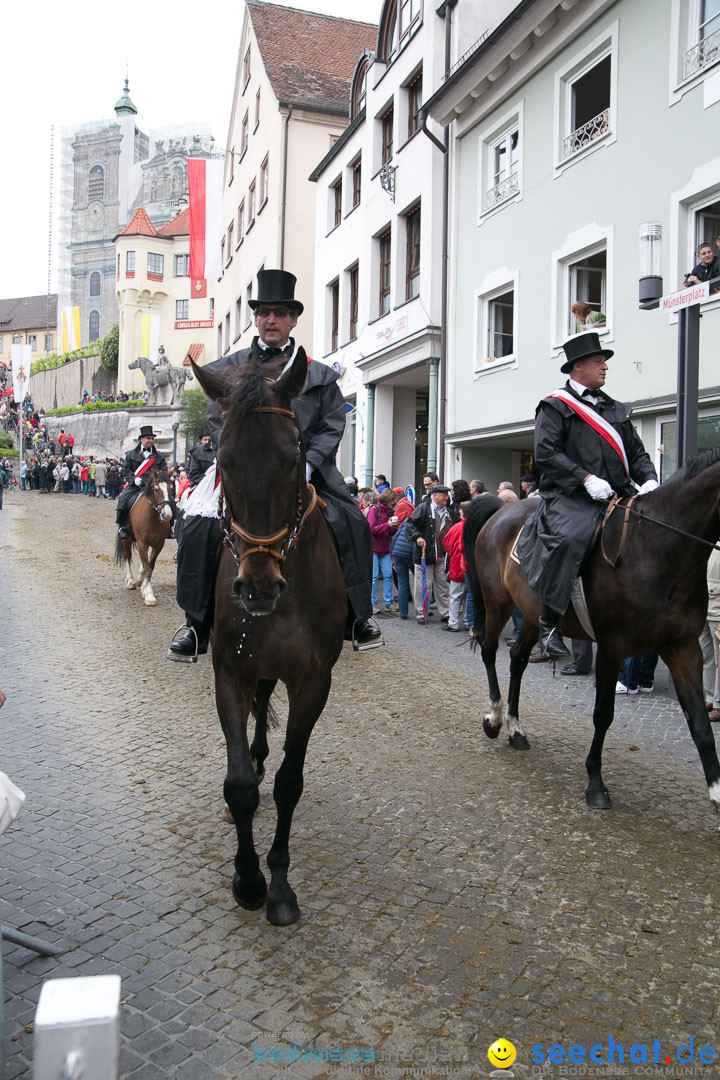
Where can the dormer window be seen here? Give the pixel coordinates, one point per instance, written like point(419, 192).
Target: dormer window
point(358, 89)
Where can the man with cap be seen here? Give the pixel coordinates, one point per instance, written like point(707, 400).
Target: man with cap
point(321, 412)
point(425, 529)
point(138, 463)
point(586, 448)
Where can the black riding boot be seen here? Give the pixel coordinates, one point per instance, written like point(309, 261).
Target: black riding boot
point(194, 642)
point(551, 640)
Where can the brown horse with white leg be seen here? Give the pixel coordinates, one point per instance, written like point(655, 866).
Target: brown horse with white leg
point(645, 586)
point(151, 518)
point(280, 609)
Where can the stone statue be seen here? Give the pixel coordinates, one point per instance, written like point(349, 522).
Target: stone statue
point(165, 383)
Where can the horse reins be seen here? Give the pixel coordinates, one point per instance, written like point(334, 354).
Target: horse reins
point(616, 503)
point(264, 544)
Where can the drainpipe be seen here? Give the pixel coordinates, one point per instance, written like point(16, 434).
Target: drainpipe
point(432, 452)
point(370, 435)
point(438, 371)
point(284, 187)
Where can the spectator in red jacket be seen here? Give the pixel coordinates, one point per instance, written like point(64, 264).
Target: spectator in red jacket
point(460, 593)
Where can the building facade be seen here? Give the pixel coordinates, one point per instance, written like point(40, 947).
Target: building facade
point(28, 320)
point(576, 128)
point(109, 168)
point(153, 290)
point(290, 104)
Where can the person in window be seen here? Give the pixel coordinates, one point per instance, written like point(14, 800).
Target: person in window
point(586, 318)
point(707, 267)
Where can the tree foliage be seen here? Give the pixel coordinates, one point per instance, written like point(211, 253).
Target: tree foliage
point(109, 349)
point(193, 415)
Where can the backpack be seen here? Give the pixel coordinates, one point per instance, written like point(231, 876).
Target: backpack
point(401, 547)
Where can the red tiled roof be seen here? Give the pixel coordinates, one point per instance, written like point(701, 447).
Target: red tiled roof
point(309, 58)
point(193, 353)
point(139, 225)
point(179, 226)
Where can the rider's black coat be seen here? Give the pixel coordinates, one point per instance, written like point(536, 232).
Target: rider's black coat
point(133, 459)
point(558, 536)
point(200, 459)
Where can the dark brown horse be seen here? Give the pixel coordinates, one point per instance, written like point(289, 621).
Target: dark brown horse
point(654, 597)
point(151, 518)
point(280, 611)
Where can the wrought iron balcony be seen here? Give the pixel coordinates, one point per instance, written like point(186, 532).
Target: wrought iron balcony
point(703, 54)
point(502, 191)
point(586, 135)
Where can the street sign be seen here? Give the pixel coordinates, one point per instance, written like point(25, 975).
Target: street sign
point(695, 294)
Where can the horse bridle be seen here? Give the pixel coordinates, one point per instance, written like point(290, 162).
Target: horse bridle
point(615, 503)
point(157, 506)
point(286, 537)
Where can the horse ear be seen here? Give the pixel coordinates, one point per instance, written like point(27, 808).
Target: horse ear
point(291, 383)
point(216, 386)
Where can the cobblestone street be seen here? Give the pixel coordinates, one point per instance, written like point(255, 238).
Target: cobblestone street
point(453, 890)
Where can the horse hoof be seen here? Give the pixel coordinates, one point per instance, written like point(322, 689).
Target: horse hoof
point(518, 741)
point(150, 601)
point(490, 731)
point(283, 913)
point(598, 800)
point(250, 901)
point(130, 585)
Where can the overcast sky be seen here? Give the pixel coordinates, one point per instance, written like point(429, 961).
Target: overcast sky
point(65, 64)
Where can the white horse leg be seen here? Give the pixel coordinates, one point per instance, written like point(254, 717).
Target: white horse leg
point(494, 719)
point(129, 579)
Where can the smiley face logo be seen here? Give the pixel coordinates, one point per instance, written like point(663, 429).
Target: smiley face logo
point(502, 1054)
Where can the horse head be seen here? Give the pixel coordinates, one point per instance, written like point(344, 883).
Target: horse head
point(135, 364)
point(160, 490)
point(262, 464)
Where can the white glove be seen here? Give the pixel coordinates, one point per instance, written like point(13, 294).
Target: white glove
point(138, 481)
point(308, 472)
point(597, 488)
point(649, 485)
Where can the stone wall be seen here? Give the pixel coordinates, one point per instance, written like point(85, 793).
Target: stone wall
point(62, 387)
point(111, 433)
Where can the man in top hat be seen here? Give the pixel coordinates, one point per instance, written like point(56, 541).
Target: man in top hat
point(321, 412)
point(138, 463)
point(201, 457)
point(586, 448)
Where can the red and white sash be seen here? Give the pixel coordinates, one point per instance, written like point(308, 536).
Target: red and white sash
point(605, 430)
point(147, 464)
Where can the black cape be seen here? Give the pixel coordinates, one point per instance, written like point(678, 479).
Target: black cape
point(558, 536)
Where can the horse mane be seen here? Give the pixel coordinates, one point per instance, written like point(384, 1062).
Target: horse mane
point(250, 388)
point(702, 461)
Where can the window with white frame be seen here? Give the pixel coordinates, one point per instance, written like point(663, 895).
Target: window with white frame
point(500, 162)
point(248, 309)
point(238, 317)
point(587, 278)
point(707, 224)
point(182, 310)
point(182, 265)
point(496, 310)
point(704, 50)
point(586, 99)
point(333, 300)
point(264, 182)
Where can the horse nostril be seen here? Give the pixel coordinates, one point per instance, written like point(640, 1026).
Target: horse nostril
point(281, 585)
point(237, 586)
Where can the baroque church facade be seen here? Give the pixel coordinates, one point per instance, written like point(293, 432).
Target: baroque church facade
point(108, 169)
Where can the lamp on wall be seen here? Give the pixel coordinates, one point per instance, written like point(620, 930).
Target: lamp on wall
point(651, 282)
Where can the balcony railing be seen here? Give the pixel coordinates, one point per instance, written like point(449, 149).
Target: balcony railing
point(502, 191)
point(703, 54)
point(586, 135)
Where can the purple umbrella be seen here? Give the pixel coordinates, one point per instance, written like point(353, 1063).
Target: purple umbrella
point(425, 591)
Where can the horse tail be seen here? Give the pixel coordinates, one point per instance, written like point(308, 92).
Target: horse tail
point(119, 554)
point(479, 513)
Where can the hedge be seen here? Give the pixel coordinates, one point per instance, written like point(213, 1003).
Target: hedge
point(97, 406)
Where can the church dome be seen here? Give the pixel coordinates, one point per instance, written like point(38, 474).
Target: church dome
point(125, 107)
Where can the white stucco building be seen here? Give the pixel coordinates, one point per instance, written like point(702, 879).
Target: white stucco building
point(290, 105)
point(573, 125)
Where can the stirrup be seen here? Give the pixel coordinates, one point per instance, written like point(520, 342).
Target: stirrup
point(176, 656)
point(376, 643)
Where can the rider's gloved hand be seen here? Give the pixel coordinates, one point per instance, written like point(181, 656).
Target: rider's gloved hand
point(649, 485)
point(597, 488)
point(138, 481)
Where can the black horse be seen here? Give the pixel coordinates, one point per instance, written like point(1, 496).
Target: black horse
point(280, 610)
point(653, 596)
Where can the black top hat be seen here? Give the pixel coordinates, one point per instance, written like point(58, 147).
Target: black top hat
point(276, 287)
point(580, 346)
point(147, 432)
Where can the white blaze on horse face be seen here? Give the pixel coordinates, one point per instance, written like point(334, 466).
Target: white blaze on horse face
point(165, 511)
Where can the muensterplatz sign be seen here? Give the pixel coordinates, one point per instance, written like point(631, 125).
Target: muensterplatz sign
point(696, 294)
